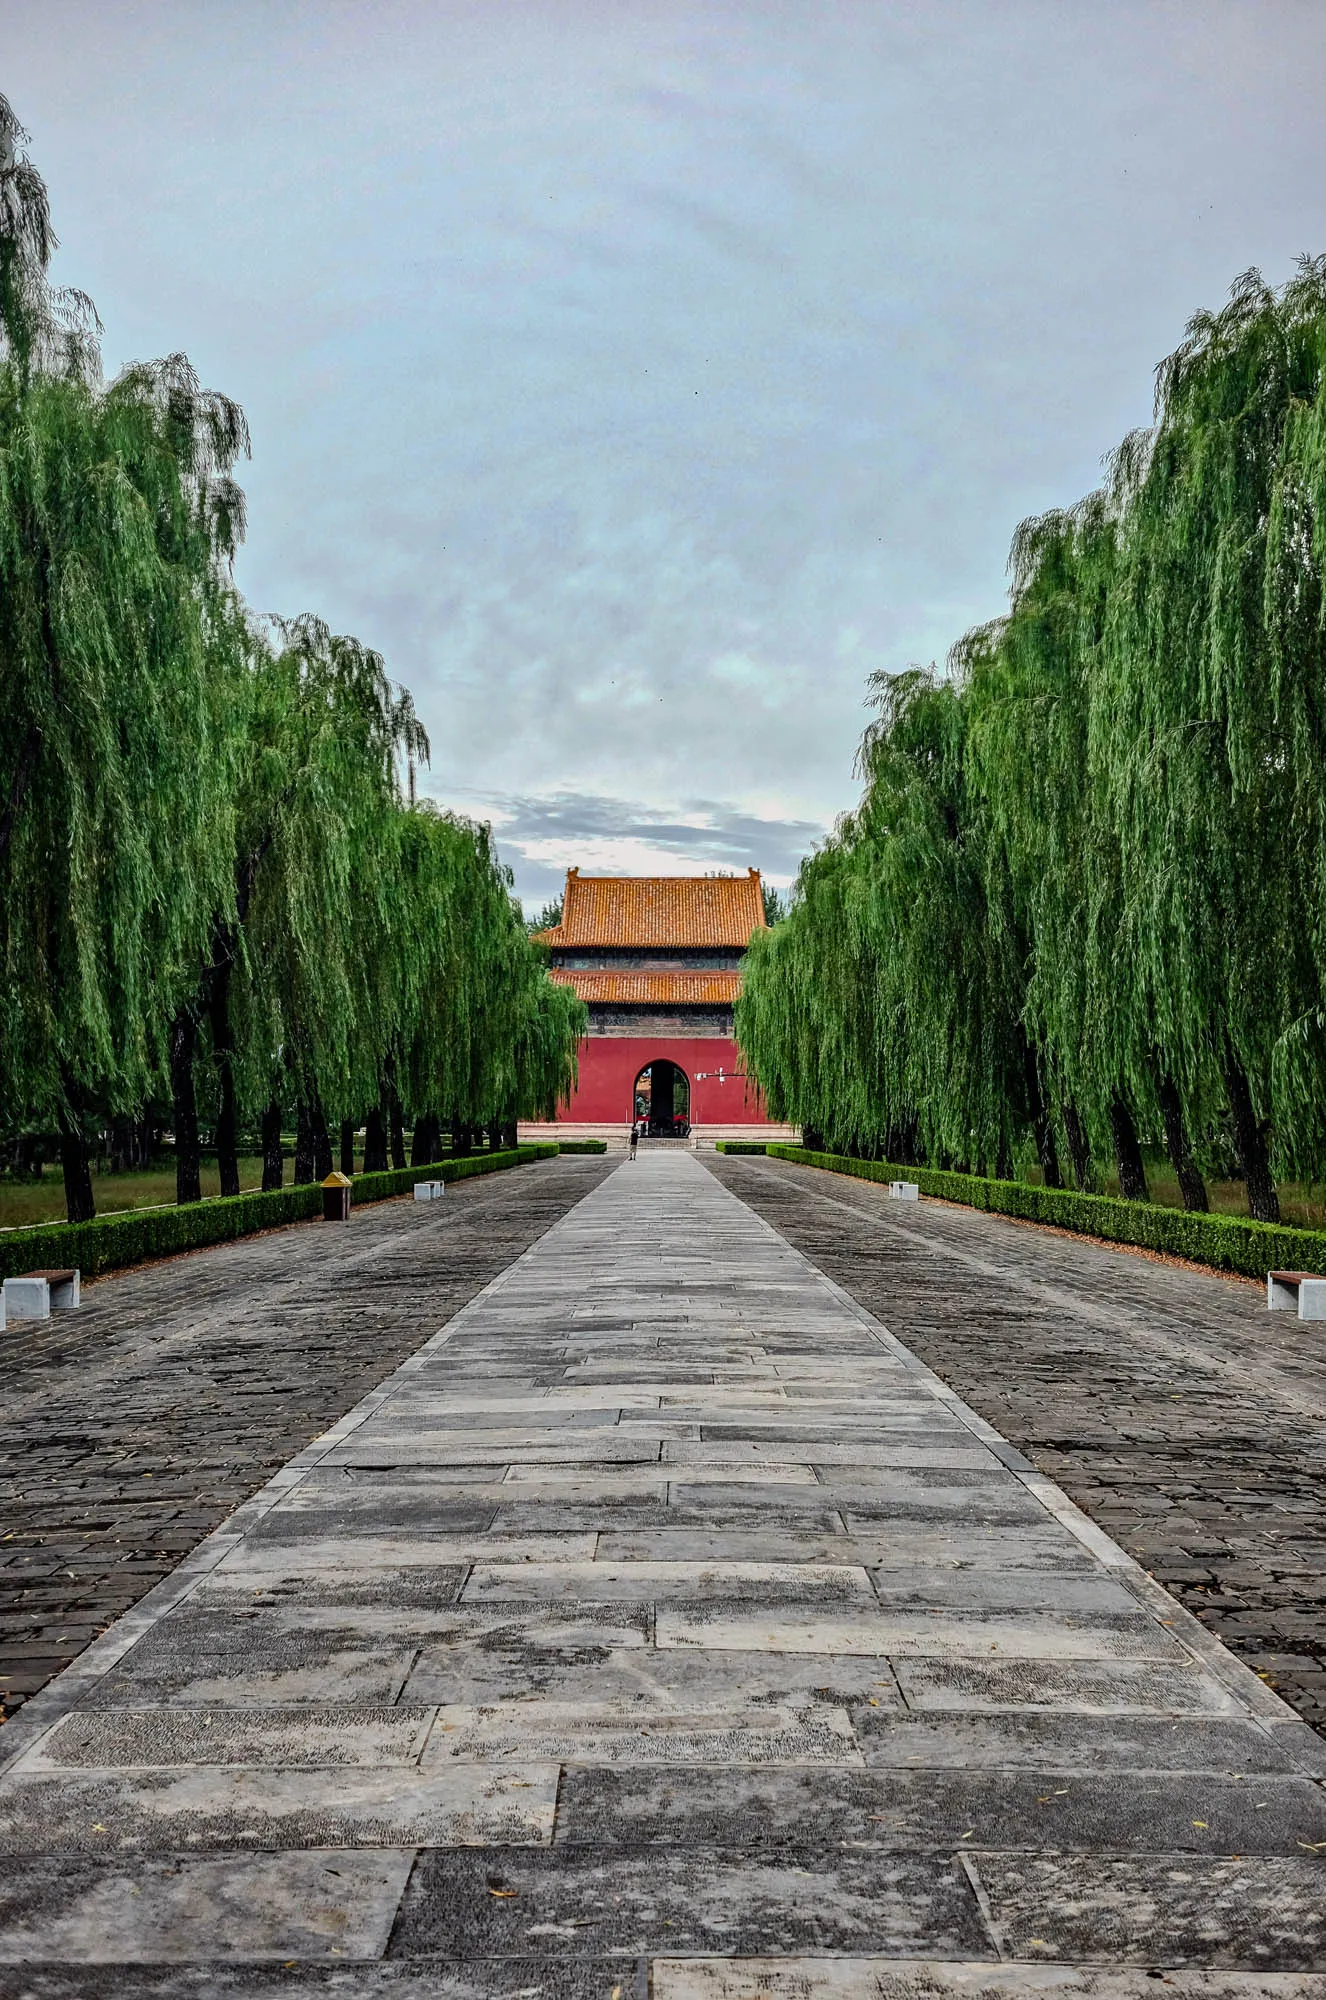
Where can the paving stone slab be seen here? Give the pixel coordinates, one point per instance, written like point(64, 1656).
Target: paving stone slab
point(915, 1812)
point(304, 1667)
point(428, 1979)
point(598, 1733)
point(353, 1551)
point(1231, 1745)
point(343, 1735)
point(208, 1807)
point(727, 1583)
point(1120, 1687)
point(988, 1592)
point(573, 1901)
point(312, 1513)
point(1257, 1912)
point(315, 1904)
point(942, 1546)
point(1027, 1635)
point(349, 1585)
point(804, 1978)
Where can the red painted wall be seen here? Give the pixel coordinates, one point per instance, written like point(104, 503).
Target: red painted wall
point(610, 1064)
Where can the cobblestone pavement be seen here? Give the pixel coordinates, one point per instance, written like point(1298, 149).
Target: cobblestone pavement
point(1178, 1413)
point(661, 1627)
point(130, 1428)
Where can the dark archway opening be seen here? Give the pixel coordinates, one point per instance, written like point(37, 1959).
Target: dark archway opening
point(661, 1101)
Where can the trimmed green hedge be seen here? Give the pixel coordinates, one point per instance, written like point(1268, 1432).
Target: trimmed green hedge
point(1226, 1242)
point(132, 1236)
point(740, 1145)
point(582, 1146)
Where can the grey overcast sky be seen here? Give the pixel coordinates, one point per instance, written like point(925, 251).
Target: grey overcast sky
point(638, 377)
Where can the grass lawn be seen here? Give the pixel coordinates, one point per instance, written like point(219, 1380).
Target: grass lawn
point(25, 1202)
point(22, 1202)
point(1302, 1205)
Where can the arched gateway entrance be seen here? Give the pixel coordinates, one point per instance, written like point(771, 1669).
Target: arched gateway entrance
point(661, 1100)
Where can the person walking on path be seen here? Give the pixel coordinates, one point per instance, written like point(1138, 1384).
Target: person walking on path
point(635, 1139)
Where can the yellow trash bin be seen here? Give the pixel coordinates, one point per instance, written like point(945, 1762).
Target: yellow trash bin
point(336, 1198)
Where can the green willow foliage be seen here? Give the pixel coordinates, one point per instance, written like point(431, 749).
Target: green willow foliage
point(216, 893)
point(1082, 903)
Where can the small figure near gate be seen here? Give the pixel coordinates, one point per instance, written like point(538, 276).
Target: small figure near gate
point(635, 1139)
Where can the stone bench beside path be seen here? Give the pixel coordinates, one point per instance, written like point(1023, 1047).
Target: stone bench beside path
point(35, 1294)
point(1303, 1291)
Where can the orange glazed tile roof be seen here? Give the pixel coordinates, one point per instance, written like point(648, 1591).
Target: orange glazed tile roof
point(654, 910)
point(659, 989)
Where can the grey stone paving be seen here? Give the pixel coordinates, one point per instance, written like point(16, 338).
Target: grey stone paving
point(661, 1626)
point(1177, 1412)
point(132, 1427)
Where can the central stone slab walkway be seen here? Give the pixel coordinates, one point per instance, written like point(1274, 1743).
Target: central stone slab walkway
point(661, 1625)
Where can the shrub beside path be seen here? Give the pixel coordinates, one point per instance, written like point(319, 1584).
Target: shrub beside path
point(661, 1627)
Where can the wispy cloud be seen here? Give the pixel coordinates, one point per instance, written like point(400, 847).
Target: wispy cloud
point(540, 837)
point(638, 378)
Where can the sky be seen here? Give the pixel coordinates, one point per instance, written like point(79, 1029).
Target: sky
point(639, 378)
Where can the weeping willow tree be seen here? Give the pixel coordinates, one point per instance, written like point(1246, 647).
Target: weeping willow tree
point(371, 964)
point(1081, 900)
point(214, 881)
point(296, 997)
point(486, 1038)
point(118, 518)
point(1207, 709)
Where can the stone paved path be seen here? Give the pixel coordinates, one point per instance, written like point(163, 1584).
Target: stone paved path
point(661, 1626)
point(1185, 1419)
point(131, 1428)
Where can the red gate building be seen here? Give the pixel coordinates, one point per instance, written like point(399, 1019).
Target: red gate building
point(657, 960)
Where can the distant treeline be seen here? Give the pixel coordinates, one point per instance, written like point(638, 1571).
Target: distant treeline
point(1081, 907)
point(220, 903)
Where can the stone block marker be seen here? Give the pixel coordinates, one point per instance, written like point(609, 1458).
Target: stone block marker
point(662, 1624)
point(904, 1190)
point(429, 1190)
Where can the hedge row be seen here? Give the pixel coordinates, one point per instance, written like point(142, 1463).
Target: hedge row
point(110, 1242)
point(582, 1146)
point(1226, 1242)
point(740, 1146)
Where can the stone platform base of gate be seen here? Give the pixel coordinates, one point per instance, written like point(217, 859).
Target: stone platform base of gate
point(705, 1136)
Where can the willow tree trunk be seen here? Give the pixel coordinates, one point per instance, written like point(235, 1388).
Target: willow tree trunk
point(1250, 1143)
point(1128, 1153)
point(397, 1132)
point(348, 1147)
point(423, 1148)
point(375, 1143)
point(1191, 1185)
point(1079, 1148)
point(1038, 1111)
point(123, 1146)
point(223, 1044)
point(188, 1167)
point(322, 1152)
point(80, 1204)
point(273, 1156)
point(304, 1161)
